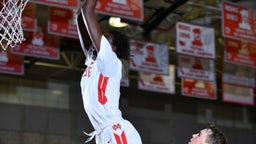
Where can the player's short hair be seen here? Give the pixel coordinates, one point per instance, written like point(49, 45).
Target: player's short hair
point(217, 136)
point(121, 43)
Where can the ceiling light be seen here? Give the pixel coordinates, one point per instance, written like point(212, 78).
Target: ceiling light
point(116, 22)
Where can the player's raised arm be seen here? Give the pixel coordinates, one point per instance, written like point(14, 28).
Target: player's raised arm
point(84, 37)
point(91, 23)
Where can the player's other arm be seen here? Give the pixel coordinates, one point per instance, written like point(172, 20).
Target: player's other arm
point(84, 38)
point(91, 23)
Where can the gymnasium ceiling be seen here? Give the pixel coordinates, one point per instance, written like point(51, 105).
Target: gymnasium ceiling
point(158, 26)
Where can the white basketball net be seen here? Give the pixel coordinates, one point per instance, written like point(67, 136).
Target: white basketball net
point(11, 31)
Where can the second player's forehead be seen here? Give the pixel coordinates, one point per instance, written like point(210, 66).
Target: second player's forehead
point(206, 131)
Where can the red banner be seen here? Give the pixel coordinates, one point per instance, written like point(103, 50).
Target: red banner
point(240, 52)
point(29, 24)
point(195, 40)
point(62, 22)
point(36, 51)
point(61, 14)
point(199, 89)
point(39, 44)
point(59, 3)
point(130, 9)
point(10, 63)
point(239, 22)
point(237, 94)
point(28, 19)
point(62, 29)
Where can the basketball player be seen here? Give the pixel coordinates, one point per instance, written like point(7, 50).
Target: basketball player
point(100, 83)
point(209, 135)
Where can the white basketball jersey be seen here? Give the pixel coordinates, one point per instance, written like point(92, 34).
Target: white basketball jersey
point(100, 86)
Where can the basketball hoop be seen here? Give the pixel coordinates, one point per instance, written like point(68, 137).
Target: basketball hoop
point(11, 31)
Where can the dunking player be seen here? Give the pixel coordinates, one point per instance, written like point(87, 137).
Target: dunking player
point(100, 83)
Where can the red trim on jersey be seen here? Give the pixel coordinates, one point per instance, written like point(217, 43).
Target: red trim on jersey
point(118, 139)
point(102, 84)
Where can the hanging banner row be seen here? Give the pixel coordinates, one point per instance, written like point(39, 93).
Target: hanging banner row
point(128, 9)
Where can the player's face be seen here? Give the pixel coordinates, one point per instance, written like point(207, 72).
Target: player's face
point(200, 138)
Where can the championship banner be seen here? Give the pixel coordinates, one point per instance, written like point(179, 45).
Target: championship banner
point(149, 57)
point(240, 52)
point(28, 18)
point(239, 22)
point(59, 3)
point(129, 9)
point(237, 94)
point(158, 83)
point(62, 22)
point(196, 68)
point(38, 44)
point(10, 63)
point(195, 40)
point(238, 75)
point(199, 89)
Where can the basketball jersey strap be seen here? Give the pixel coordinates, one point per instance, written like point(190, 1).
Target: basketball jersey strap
point(91, 135)
point(101, 131)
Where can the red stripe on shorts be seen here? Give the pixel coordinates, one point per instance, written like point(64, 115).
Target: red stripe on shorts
point(122, 139)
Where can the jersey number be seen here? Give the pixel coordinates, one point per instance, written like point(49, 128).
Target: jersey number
point(102, 84)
